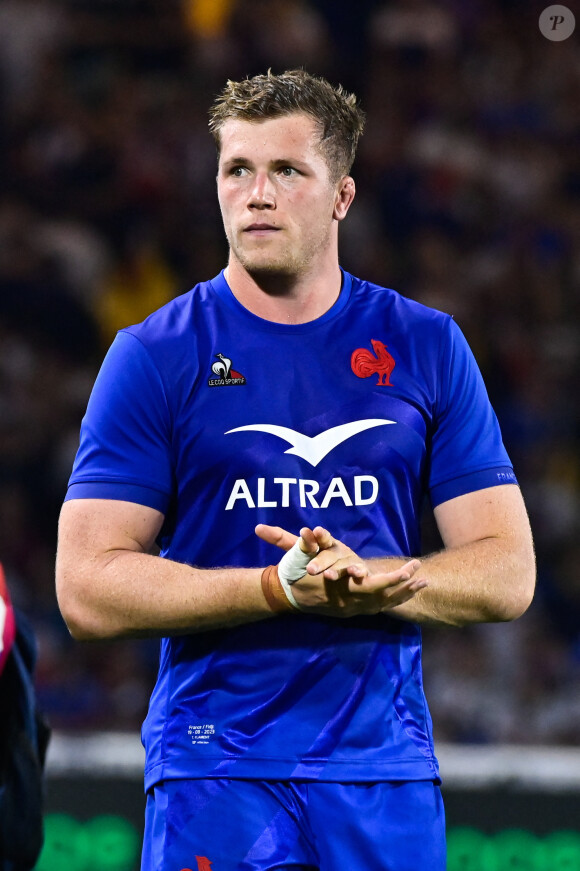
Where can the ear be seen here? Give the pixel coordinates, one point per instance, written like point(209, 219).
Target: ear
point(344, 197)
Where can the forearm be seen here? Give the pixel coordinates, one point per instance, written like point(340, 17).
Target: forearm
point(483, 581)
point(132, 594)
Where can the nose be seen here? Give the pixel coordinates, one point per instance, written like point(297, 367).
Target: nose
point(262, 195)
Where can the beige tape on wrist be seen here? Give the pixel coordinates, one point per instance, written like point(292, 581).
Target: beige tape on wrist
point(276, 595)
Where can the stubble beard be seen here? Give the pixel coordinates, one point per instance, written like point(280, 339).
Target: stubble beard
point(275, 274)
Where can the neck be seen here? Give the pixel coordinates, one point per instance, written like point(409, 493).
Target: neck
point(285, 299)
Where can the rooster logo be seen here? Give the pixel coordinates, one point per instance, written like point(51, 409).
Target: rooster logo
point(222, 368)
point(364, 364)
point(224, 374)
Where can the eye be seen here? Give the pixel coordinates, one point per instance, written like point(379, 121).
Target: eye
point(288, 171)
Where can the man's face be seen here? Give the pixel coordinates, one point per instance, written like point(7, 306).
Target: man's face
point(275, 194)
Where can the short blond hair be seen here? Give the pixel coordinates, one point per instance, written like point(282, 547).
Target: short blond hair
point(337, 113)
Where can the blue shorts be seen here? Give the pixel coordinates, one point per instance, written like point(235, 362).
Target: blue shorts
point(237, 825)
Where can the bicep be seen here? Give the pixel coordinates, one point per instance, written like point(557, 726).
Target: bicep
point(96, 585)
point(89, 529)
point(494, 512)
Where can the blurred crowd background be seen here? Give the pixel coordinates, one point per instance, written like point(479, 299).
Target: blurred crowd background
point(468, 181)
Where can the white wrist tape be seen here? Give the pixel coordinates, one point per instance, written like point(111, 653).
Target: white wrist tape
point(288, 590)
point(293, 564)
point(291, 568)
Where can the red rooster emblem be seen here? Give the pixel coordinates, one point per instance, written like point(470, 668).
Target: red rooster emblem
point(364, 364)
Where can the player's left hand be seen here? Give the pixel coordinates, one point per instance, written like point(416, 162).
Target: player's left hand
point(338, 582)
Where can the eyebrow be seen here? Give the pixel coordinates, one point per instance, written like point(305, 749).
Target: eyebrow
point(235, 161)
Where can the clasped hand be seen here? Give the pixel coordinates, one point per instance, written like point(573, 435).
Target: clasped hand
point(338, 582)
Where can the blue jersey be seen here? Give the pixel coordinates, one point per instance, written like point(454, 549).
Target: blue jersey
point(221, 420)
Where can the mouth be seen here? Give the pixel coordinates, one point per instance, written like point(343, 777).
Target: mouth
point(261, 229)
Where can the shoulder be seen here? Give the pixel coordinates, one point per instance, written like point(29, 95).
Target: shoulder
point(406, 317)
point(164, 344)
point(169, 338)
point(368, 293)
point(173, 321)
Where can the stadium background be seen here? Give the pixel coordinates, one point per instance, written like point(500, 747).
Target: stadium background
point(468, 199)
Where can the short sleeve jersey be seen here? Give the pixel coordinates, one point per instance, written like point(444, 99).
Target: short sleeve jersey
point(222, 420)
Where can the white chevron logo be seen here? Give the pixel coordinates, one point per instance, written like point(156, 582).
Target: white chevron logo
point(314, 449)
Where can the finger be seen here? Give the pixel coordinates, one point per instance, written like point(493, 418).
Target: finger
point(401, 578)
point(356, 571)
point(403, 595)
point(331, 565)
point(307, 541)
point(330, 552)
point(394, 592)
point(275, 535)
point(323, 537)
point(403, 573)
point(406, 592)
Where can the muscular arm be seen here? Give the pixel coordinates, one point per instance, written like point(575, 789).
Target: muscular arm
point(109, 585)
point(486, 571)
